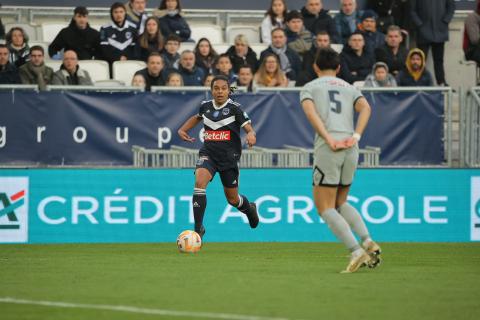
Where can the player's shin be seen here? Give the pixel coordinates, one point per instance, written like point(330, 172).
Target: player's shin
point(340, 228)
point(243, 204)
point(199, 203)
point(353, 218)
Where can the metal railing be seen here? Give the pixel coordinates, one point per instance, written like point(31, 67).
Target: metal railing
point(470, 128)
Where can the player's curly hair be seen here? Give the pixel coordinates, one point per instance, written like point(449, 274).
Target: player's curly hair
point(218, 77)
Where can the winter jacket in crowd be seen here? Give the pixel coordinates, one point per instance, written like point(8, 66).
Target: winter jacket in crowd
point(354, 67)
point(395, 62)
point(431, 19)
point(299, 42)
point(346, 25)
point(192, 77)
point(250, 59)
point(9, 74)
point(293, 59)
point(411, 78)
point(79, 78)
point(173, 23)
point(372, 82)
point(39, 75)
point(322, 22)
point(151, 80)
point(19, 56)
point(85, 42)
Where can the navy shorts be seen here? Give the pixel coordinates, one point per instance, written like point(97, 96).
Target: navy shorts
point(229, 176)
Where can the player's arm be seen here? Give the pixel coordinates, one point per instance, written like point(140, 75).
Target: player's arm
point(363, 108)
point(251, 135)
point(317, 123)
point(189, 124)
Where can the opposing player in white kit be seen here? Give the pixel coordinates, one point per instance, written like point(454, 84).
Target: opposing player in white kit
point(329, 104)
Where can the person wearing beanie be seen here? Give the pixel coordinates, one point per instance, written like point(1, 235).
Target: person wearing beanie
point(299, 39)
point(380, 77)
point(368, 28)
point(415, 74)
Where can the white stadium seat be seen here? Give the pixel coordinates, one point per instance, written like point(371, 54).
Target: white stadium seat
point(337, 47)
point(221, 47)
point(97, 69)
point(211, 32)
point(187, 46)
point(54, 64)
point(42, 44)
point(258, 48)
point(29, 29)
point(109, 83)
point(251, 32)
point(50, 30)
point(124, 70)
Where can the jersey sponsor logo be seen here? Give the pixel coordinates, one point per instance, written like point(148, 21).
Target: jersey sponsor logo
point(217, 135)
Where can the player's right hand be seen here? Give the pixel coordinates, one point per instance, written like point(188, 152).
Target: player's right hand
point(185, 137)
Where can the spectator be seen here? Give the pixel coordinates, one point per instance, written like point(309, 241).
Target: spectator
point(245, 77)
point(290, 62)
point(322, 40)
point(356, 62)
point(170, 53)
point(17, 42)
point(191, 74)
point(35, 71)
point(70, 72)
point(347, 20)
point(208, 80)
point(274, 18)
point(78, 36)
point(2, 30)
point(415, 74)
point(241, 54)
point(380, 77)
point(151, 40)
point(391, 12)
point(171, 20)
point(8, 72)
point(139, 81)
point(117, 39)
point(175, 79)
point(299, 39)
point(368, 27)
point(431, 18)
point(136, 14)
point(153, 73)
point(392, 53)
point(471, 45)
point(317, 19)
point(269, 73)
point(205, 55)
point(224, 67)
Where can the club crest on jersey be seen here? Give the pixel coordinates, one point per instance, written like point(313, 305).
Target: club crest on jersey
point(211, 135)
point(128, 34)
point(216, 113)
point(225, 111)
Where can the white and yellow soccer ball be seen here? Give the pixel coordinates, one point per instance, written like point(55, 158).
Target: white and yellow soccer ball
point(189, 241)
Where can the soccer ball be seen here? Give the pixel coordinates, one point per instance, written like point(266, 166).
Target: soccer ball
point(189, 241)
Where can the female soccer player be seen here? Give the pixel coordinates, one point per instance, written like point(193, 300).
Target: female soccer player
point(221, 151)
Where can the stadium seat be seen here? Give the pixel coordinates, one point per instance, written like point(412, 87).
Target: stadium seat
point(54, 64)
point(187, 46)
point(97, 69)
point(42, 44)
point(211, 32)
point(124, 70)
point(49, 30)
point(258, 48)
point(29, 29)
point(337, 47)
point(221, 48)
point(251, 32)
point(109, 83)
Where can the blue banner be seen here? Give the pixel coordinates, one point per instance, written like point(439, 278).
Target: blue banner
point(73, 128)
point(85, 206)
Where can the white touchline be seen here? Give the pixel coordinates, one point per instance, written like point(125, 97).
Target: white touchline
point(174, 313)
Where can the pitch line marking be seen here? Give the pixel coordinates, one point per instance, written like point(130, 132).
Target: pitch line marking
point(120, 308)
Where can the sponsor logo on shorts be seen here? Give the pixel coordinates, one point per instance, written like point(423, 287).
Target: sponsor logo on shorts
point(475, 209)
point(217, 135)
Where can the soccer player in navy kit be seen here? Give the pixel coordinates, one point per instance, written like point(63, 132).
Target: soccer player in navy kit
point(221, 151)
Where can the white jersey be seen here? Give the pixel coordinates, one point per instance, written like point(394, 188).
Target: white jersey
point(334, 101)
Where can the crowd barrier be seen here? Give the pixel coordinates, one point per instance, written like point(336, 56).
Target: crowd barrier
point(470, 128)
point(143, 205)
point(98, 126)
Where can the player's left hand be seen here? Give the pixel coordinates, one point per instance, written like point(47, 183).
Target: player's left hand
point(350, 142)
point(251, 139)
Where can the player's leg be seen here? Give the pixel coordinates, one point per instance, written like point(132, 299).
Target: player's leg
point(204, 173)
point(326, 177)
point(230, 187)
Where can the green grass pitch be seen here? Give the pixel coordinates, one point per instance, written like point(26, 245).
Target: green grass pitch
point(259, 280)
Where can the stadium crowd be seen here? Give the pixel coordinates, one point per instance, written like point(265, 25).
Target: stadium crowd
point(384, 45)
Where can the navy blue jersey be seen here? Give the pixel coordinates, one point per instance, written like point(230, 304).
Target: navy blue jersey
point(222, 126)
point(116, 41)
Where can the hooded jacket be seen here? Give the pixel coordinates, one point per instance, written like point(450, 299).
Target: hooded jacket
point(322, 22)
point(80, 77)
point(354, 67)
point(175, 24)
point(137, 19)
point(84, 42)
point(250, 59)
point(411, 78)
point(18, 57)
point(371, 81)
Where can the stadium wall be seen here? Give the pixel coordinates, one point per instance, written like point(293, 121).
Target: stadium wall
point(94, 206)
